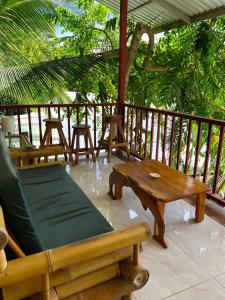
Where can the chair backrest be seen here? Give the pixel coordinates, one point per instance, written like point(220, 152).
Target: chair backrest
point(16, 211)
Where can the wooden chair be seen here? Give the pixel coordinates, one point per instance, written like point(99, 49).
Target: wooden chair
point(51, 124)
point(78, 131)
point(116, 137)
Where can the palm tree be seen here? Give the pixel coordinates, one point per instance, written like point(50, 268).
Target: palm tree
point(20, 80)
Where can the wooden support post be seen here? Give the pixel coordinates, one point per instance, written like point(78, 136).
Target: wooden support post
point(123, 55)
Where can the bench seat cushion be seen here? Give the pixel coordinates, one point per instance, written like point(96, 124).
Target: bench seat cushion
point(62, 213)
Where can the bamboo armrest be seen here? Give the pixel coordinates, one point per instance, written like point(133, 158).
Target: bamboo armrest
point(40, 165)
point(50, 261)
point(36, 153)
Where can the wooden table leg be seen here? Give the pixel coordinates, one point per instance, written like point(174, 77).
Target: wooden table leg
point(157, 208)
point(159, 224)
point(200, 207)
point(118, 180)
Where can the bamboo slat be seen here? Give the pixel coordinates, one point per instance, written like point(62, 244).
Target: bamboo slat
point(41, 165)
point(34, 285)
point(37, 153)
point(88, 281)
point(40, 263)
point(112, 289)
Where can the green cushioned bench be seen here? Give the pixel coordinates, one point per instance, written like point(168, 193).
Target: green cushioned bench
point(61, 212)
point(60, 238)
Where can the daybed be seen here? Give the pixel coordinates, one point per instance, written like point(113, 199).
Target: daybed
point(54, 243)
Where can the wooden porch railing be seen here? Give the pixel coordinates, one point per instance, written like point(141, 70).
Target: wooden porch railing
point(191, 144)
point(29, 118)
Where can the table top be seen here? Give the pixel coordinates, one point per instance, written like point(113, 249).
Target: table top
point(171, 185)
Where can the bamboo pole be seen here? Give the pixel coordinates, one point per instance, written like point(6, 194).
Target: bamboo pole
point(87, 281)
point(40, 263)
point(98, 246)
point(134, 274)
point(36, 153)
point(45, 287)
point(41, 165)
point(33, 286)
point(112, 289)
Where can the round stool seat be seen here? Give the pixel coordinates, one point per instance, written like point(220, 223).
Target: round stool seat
point(81, 126)
point(53, 120)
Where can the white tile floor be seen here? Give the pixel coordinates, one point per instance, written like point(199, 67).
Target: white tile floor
point(193, 266)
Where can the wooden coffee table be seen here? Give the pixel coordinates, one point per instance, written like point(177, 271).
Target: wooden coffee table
point(155, 193)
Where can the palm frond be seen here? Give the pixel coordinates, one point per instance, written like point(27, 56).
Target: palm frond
point(24, 82)
point(21, 18)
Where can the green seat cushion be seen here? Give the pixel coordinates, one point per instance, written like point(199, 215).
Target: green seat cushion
point(16, 211)
point(62, 213)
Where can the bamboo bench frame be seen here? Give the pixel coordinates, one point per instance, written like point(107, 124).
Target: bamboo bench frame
point(104, 267)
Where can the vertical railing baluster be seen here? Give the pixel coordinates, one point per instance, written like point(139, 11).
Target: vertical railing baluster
point(141, 125)
point(158, 136)
point(172, 141)
point(40, 124)
point(136, 130)
point(59, 113)
point(188, 147)
point(18, 120)
point(152, 135)
point(197, 150)
point(208, 147)
point(95, 129)
point(131, 128)
point(86, 115)
point(68, 124)
point(103, 117)
point(29, 125)
point(127, 127)
point(49, 112)
point(218, 159)
point(78, 115)
point(164, 140)
point(179, 144)
point(146, 134)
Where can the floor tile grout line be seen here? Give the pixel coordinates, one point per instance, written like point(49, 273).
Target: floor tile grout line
point(195, 285)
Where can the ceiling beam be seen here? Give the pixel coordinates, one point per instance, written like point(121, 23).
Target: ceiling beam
point(169, 7)
point(213, 13)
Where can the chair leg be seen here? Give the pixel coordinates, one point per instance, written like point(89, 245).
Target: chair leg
point(86, 144)
point(101, 141)
point(77, 149)
point(91, 146)
point(110, 143)
point(62, 137)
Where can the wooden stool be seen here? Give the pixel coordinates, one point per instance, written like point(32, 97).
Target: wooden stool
point(82, 130)
point(116, 137)
point(55, 123)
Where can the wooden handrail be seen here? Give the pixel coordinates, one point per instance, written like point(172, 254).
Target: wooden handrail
point(177, 114)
